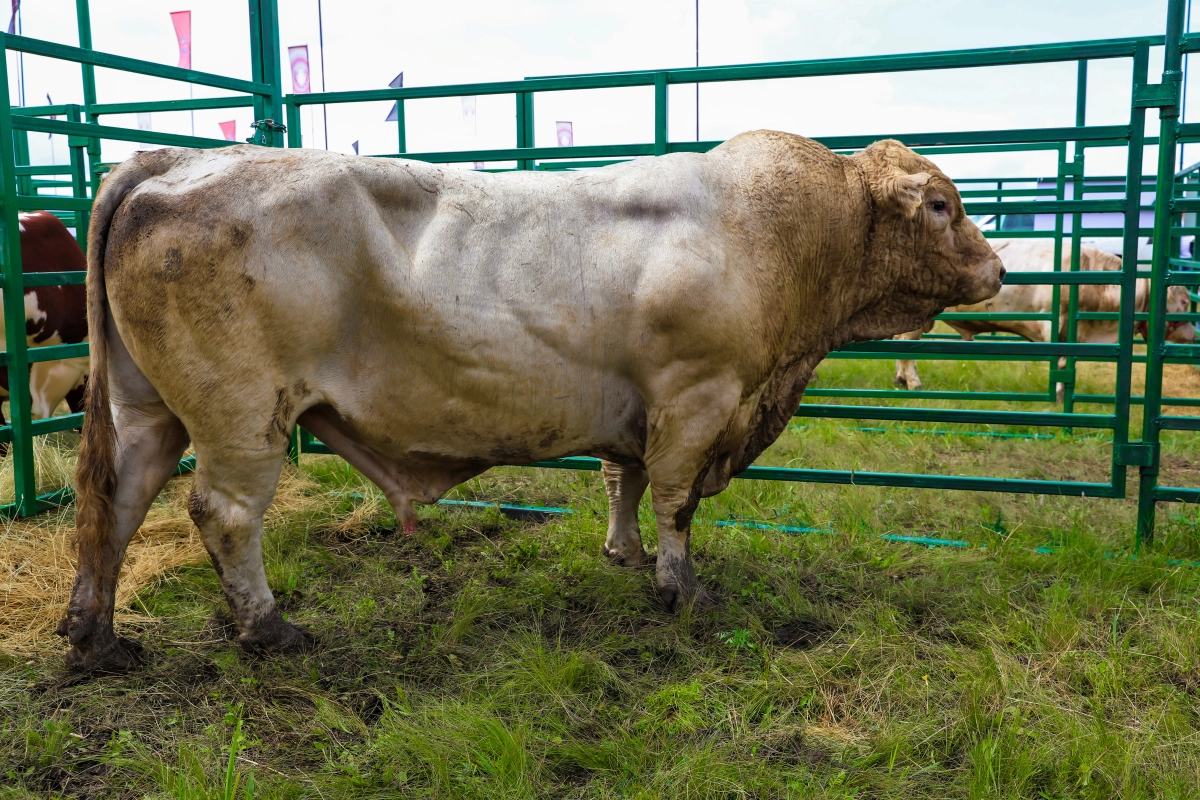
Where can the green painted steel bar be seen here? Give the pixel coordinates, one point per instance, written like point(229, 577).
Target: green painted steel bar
point(895, 479)
point(79, 188)
point(1093, 352)
point(81, 55)
point(41, 427)
point(1168, 117)
point(968, 416)
point(16, 353)
point(72, 278)
point(49, 202)
point(43, 169)
point(906, 62)
point(1123, 382)
point(660, 114)
point(1179, 423)
point(927, 394)
point(195, 104)
point(911, 139)
point(109, 132)
point(41, 111)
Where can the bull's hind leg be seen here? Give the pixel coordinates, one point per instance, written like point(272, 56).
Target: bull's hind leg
point(625, 486)
point(233, 488)
point(149, 443)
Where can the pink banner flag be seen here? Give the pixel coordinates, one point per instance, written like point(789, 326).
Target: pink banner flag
point(566, 134)
point(301, 78)
point(229, 129)
point(182, 20)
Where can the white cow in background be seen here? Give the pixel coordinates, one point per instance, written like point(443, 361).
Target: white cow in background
point(1037, 255)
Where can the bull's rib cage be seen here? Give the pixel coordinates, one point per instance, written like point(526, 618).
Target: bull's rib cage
point(1067, 196)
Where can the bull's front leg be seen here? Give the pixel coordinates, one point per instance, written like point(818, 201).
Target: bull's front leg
point(685, 437)
point(625, 485)
point(906, 369)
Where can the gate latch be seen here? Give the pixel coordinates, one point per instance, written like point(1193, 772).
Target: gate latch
point(1137, 454)
point(1157, 95)
point(265, 128)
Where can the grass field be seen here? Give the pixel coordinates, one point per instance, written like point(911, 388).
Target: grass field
point(490, 658)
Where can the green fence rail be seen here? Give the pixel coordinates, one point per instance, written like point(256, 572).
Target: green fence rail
point(1067, 195)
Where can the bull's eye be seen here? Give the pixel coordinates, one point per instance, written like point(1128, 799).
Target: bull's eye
point(939, 205)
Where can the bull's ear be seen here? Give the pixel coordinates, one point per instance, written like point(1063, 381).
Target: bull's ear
point(903, 192)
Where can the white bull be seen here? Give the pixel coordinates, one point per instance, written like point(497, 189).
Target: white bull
point(664, 315)
point(1037, 255)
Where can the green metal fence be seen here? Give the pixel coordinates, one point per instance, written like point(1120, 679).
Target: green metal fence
point(85, 132)
point(1070, 197)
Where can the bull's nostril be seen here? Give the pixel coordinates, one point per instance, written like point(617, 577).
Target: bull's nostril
point(1003, 272)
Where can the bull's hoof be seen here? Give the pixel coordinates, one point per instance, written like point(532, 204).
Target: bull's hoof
point(901, 383)
point(634, 558)
point(117, 654)
point(676, 598)
point(272, 635)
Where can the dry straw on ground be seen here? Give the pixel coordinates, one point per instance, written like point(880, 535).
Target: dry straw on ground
point(37, 561)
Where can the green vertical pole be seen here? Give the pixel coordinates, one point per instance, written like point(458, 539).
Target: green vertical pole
point(83, 21)
point(264, 63)
point(21, 143)
point(660, 113)
point(1077, 193)
point(79, 177)
point(24, 468)
point(525, 137)
point(401, 133)
point(999, 198)
point(1164, 189)
point(1056, 289)
point(1129, 267)
point(295, 136)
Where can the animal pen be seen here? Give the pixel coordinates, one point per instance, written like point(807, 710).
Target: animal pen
point(1066, 195)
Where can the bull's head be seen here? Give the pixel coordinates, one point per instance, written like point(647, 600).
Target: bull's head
point(935, 255)
point(1178, 302)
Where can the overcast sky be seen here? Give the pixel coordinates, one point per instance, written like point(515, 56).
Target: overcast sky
point(368, 42)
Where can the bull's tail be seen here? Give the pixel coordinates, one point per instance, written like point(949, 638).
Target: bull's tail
point(89, 617)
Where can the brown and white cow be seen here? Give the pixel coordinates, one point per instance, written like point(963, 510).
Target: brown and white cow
point(1037, 255)
point(53, 315)
point(427, 324)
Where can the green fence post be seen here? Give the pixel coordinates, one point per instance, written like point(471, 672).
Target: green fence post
point(1164, 193)
point(21, 143)
point(1077, 193)
point(295, 137)
point(24, 467)
point(660, 113)
point(401, 134)
point(264, 63)
point(1123, 455)
point(83, 21)
point(525, 135)
point(1060, 194)
point(79, 177)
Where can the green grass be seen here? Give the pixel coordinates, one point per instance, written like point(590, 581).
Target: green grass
point(489, 658)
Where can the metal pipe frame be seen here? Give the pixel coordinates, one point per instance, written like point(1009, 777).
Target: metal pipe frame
point(1112, 194)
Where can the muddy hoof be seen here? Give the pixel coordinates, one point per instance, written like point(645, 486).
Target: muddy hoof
point(115, 655)
point(275, 636)
point(637, 558)
point(676, 599)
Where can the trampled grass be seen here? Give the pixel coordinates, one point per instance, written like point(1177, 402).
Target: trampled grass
point(491, 658)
